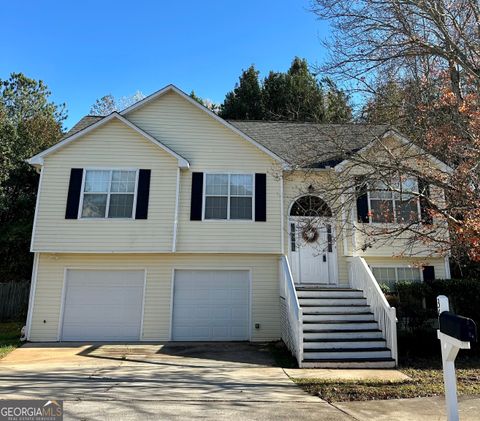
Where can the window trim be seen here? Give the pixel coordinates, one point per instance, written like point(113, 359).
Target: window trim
point(228, 173)
point(393, 200)
point(111, 169)
point(398, 266)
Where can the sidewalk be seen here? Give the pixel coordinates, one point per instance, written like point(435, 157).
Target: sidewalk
point(424, 409)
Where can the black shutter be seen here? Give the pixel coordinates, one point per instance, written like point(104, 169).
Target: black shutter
point(196, 197)
point(74, 188)
point(362, 200)
point(428, 273)
point(260, 197)
point(424, 189)
point(143, 194)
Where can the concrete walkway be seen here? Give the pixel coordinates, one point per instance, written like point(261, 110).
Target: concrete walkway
point(424, 409)
point(340, 374)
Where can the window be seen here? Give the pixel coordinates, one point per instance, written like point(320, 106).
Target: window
point(228, 196)
point(108, 193)
point(392, 275)
point(293, 237)
point(310, 206)
point(400, 205)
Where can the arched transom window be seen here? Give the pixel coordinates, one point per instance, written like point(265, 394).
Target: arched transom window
point(312, 206)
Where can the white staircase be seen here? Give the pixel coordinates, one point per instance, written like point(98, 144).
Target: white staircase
point(339, 330)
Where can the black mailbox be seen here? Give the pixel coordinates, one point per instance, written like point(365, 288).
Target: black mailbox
point(461, 328)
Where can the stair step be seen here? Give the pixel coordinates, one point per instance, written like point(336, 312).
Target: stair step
point(304, 293)
point(347, 353)
point(312, 317)
point(326, 325)
point(335, 309)
point(320, 288)
point(342, 334)
point(345, 344)
point(332, 301)
point(342, 340)
point(350, 363)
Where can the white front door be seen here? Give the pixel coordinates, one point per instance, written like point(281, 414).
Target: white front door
point(313, 259)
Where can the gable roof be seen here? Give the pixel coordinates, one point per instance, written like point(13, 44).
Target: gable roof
point(394, 133)
point(173, 88)
point(84, 122)
point(331, 143)
point(87, 124)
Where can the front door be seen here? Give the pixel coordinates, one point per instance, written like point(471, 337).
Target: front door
point(312, 252)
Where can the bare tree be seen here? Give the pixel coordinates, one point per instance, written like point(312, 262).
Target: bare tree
point(399, 35)
point(107, 104)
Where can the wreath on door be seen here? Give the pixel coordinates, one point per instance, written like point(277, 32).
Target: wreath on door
point(310, 234)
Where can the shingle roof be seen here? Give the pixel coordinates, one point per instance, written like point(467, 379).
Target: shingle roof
point(83, 123)
point(310, 144)
point(303, 144)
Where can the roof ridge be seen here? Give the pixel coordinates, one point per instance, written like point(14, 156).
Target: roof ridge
point(351, 123)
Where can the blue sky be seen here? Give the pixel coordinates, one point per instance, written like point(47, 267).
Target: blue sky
point(86, 49)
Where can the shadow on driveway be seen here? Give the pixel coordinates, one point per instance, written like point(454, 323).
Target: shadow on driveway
point(181, 352)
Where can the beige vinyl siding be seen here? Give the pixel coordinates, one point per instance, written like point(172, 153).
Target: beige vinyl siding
point(159, 267)
point(207, 144)
point(210, 146)
point(113, 145)
point(229, 236)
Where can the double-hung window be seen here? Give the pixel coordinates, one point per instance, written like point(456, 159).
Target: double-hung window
point(228, 196)
point(395, 203)
point(108, 193)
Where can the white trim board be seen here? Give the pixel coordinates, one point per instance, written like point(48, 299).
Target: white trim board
point(38, 159)
point(37, 203)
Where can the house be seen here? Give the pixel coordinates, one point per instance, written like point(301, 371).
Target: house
point(167, 223)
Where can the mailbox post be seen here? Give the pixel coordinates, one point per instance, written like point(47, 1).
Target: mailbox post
point(455, 333)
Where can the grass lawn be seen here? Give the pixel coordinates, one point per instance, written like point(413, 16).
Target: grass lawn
point(426, 375)
point(9, 337)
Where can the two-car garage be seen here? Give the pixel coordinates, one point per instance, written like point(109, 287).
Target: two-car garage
point(108, 305)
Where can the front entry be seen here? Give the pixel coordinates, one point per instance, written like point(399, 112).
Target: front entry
point(312, 251)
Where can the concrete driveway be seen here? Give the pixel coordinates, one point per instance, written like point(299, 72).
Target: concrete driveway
point(157, 381)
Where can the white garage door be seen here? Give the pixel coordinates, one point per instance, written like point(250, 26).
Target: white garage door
point(103, 305)
point(210, 305)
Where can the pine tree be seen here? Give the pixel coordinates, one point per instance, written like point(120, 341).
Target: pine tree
point(245, 101)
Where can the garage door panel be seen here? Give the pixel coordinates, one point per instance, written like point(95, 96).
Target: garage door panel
point(211, 305)
point(103, 305)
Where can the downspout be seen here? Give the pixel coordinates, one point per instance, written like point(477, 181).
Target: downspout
point(175, 218)
point(344, 227)
point(448, 274)
point(282, 216)
point(31, 298)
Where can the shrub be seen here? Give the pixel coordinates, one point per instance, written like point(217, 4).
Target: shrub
point(417, 311)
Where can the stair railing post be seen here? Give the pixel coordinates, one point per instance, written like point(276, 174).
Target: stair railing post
point(393, 333)
point(300, 337)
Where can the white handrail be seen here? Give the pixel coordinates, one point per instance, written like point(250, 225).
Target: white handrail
point(361, 277)
point(292, 315)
